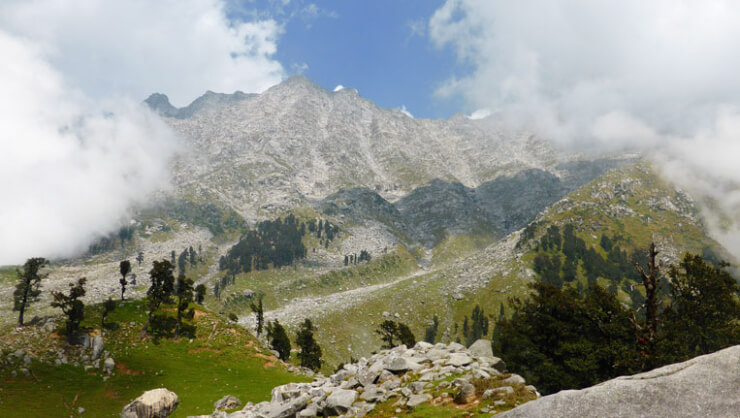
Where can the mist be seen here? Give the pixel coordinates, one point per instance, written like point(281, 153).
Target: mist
point(70, 167)
point(78, 150)
point(659, 78)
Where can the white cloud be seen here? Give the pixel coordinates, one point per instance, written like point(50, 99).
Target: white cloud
point(70, 168)
point(658, 75)
point(339, 87)
point(133, 48)
point(405, 111)
point(480, 114)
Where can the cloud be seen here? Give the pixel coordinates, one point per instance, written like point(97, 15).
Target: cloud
point(658, 77)
point(405, 111)
point(136, 47)
point(339, 87)
point(70, 167)
point(480, 114)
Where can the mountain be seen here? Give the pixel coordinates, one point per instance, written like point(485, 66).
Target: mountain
point(296, 142)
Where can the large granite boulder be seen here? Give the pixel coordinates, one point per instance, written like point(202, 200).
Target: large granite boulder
point(155, 403)
point(481, 348)
point(706, 386)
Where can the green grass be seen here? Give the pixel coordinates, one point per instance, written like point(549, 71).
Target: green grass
point(199, 372)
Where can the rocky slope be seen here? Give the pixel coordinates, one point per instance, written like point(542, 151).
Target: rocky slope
point(443, 376)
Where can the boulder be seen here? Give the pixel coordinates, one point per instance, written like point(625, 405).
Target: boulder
point(459, 359)
point(416, 400)
point(481, 348)
point(401, 364)
point(705, 386)
point(227, 402)
point(290, 409)
point(466, 394)
point(109, 365)
point(97, 347)
point(514, 379)
point(155, 403)
point(498, 392)
point(339, 402)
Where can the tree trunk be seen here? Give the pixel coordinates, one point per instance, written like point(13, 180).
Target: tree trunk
point(650, 281)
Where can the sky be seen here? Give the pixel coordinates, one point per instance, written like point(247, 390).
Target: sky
point(655, 77)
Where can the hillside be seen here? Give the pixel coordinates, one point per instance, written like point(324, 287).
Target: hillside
point(42, 376)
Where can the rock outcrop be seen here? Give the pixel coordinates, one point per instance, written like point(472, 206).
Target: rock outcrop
point(407, 377)
point(705, 386)
point(155, 403)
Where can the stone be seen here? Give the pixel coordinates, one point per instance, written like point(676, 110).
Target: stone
point(459, 359)
point(109, 365)
point(80, 410)
point(481, 348)
point(417, 387)
point(373, 394)
point(498, 392)
point(401, 364)
point(97, 347)
point(290, 409)
point(368, 378)
point(514, 379)
point(706, 386)
point(227, 402)
point(423, 345)
point(310, 411)
point(436, 354)
point(339, 402)
point(466, 393)
point(155, 403)
point(455, 347)
point(416, 400)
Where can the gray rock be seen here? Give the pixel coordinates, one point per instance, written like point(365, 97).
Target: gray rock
point(436, 354)
point(459, 359)
point(481, 348)
point(368, 378)
point(290, 409)
point(227, 402)
point(706, 386)
point(498, 392)
point(97, 347)
point(417, 387)
point(155, 403)
point(310, 411)
point(339, 402)
point(401, 364)
point(466, 393)
point(514, 379)
point(373, 394)
point(416, 400)
point(109, 365)
point(455, 347)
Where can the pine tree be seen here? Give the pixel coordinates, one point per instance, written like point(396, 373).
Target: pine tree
point(140, 257)
point(72, 306)
point(259, 312)
point(405, 335)
point(430, 333)
point(125, 268)
point(184, 297)
point(388, 330)
point(160, 291)
point(108, 306)
point(310, 354)
point(27, 289)
point(200, 293)
point(278, 339)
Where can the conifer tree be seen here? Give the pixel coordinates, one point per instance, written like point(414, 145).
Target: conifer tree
point(108, 306)
point(125, 268)
point(184, 297)
point(259, 312)
point(27, 289)
point(160, 291)
point(310, 354)
point(278, 339)
point(71, 306)
point(200, 293)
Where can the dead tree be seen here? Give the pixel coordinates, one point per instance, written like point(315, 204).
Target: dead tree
point(647, 332)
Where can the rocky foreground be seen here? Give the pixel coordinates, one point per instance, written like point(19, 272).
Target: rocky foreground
point(469, 378)
point(705, 386)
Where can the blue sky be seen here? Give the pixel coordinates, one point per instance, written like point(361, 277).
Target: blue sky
point(379, 47)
